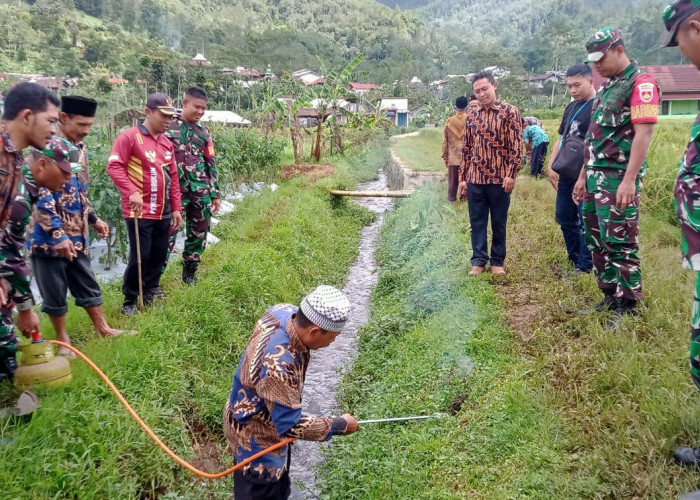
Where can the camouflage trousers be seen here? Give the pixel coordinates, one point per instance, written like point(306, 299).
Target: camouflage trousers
point(197, 215)
point(612, 235)
point(8, 340)
point(687, 204)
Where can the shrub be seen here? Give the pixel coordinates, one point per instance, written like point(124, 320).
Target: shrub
point(243, 153)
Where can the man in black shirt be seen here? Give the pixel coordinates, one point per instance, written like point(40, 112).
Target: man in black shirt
point(572, 131)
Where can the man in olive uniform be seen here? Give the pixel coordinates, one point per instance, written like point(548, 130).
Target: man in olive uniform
point(199, 180)
point(29, 115)
point(682, 20)
point(625, 110)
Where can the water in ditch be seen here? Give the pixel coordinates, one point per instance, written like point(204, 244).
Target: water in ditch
point(327, 366)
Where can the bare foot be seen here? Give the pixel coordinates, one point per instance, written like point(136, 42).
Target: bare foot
point(112, 332)
point(65, 352)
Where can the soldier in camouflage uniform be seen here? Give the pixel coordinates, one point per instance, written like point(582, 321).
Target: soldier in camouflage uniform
point(30, 112)
point(199, 180)
point(682, 19)
point(625, 110)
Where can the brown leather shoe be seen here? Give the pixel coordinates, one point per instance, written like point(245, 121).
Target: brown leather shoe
point(477, 270)
point(498, 270)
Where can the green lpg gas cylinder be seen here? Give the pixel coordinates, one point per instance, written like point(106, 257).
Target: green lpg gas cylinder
point(39, 366)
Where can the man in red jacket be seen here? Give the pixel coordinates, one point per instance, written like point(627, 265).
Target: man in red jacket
point(142, 166)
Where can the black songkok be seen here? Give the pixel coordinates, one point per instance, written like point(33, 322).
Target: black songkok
point(77, 105)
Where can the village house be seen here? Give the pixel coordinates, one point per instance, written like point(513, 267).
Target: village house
point(309, 77)
point(199, 60)
point(228, 118)
point(308, 117)
point(396, 110)
point(548, 76)
point(248, 73)
point(361, 88)
point(416, 83)
point(680, 89)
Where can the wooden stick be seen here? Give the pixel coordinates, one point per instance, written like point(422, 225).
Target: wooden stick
point(142, 307)
point(373, 194)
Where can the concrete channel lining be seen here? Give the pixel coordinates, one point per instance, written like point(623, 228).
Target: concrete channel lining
point(401, 177)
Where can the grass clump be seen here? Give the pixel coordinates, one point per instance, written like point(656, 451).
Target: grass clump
point(177, 372)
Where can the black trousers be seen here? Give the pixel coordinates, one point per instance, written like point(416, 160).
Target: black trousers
point(246, 487)
point(537, 159)
point(485, 200)
point(56, 275)
point(154, 240)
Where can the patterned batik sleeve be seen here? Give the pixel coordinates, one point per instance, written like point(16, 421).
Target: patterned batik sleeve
point(213, 172)
point(48, 218)
point(644, 102)
point(84, 186)
point(280, 385)
point(514, 143)
point(466, 152)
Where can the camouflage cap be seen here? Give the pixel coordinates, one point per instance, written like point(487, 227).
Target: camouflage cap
point(674, 15)
point(65, 155)
point(602, 41)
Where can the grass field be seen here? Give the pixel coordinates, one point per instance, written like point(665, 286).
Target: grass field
point(541, 402)
point(422, 152)
point(556, 405)
point(177, 372)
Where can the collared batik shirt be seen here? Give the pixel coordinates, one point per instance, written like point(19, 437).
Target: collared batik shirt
point(626, 99)
point(264, 406)
point(493, 142)
point(196, 164)
point(65, 214)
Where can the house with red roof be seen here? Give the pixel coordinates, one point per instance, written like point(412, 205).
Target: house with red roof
point(680, 88)
point(361, 88)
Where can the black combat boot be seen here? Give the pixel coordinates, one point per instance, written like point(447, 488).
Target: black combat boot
point(688, 456)
point(625, 307)
point(609, 302)
point(189, 268)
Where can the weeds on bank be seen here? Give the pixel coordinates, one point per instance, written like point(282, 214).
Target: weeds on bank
point(177, 372)
point(435, 343)
point(545, 403)
point(626, 394)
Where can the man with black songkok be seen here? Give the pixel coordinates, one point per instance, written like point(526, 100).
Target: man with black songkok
point(59, 233)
